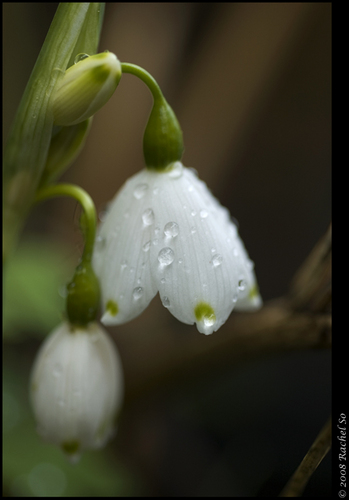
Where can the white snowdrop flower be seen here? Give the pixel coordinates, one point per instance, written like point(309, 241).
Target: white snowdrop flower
point(76, 388)
point(165, 232)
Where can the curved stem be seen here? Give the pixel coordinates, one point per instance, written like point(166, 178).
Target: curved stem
point(146, 77)
point(162, 139)
point(87, 204)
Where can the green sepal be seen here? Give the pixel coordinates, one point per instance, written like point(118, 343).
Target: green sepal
point(83, 295)
point(163, 139)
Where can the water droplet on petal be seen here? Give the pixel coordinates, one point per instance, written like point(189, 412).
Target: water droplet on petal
point(166, 302)
point(140, 191)
point(146, 246)
point(176, 170)
point(171, 229)
point(102, 215)
point(193, 230)
point(166, 256)
point(203, 214)
point(217, 260)
point(250, 265)
point(148, 217)
point(242, 285)
point(209, 320)
point(80, 57)
point(100, 243)
point(137, 293)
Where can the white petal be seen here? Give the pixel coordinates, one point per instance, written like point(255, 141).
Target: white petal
point(76, 388)
point(203, 273)
point(121, 257)
point(249, 298)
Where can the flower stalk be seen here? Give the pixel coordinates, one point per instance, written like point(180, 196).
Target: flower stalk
point(83, 293)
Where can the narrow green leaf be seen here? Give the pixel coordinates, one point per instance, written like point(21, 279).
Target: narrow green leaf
point(74, 25)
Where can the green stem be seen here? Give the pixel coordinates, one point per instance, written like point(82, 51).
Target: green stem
point(87, 204)
point(146, 77)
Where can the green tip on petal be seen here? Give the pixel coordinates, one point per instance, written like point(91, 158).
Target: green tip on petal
point(253, 293)
point(205, 316)
point(70, 447)
point(112, 308)
point(72, 450)
point(100, 73)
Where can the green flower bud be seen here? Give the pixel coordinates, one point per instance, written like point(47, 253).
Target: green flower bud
point(85, 88)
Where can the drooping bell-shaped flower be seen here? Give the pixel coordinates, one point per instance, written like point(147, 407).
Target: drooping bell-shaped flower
point(76, 388)
point(165, 232)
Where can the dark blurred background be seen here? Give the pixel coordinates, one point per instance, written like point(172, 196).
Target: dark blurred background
point(251, 86)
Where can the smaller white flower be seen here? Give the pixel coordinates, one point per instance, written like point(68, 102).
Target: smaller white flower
point(76, 388)
point(165, 232)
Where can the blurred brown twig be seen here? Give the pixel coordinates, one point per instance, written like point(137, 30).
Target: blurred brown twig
point(309, 464)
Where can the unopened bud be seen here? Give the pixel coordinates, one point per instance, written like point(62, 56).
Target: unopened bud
point(85, 88)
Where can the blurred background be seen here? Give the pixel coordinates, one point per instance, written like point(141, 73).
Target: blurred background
point(250, 84)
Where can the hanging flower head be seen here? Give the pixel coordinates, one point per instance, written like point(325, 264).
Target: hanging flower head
point(165, 232)
point(76, 385)
point(76, 388)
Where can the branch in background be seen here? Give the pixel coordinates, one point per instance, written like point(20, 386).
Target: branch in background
point(318, 450)
point(311, 286)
